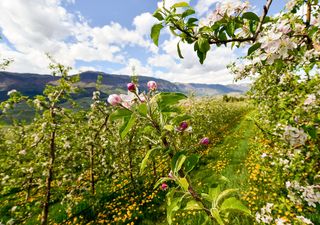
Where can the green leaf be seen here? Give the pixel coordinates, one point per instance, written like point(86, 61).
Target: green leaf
point(222, 36)
point(158, 15)
point(253, 48)
point(312, 131)
point(191, 162)
point(146, 158)
point(155, 33)
point(188, 12)
point(166, 99)
point(204, 45)
point(230, 29)
point(119, 114)
point(193, 205)
point(143, 109)
point(202, 56)
point(196, 46)
point(183, 183)
point(179, 51)
point(250, 16)
point(214, 193)
point(128, 124)
point(180, 4)
point(175, 158)
point(215, 214)
point(234, 204)
point(168, 127)
point(192, 20)
point(172, 208)
point(224, 194)
point(179, 163)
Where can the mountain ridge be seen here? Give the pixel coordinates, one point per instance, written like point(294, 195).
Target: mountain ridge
point(31, 84)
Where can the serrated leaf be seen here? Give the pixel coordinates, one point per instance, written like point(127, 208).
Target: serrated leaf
point(193, 205)
point(158, 15)
point(222, 36)
point(188, 12)
point(146, 158)
point(119, 114)
point(179, 163)
point(214, 193)
point(191, 20)
point(155, 33)
point(180, 4)
point(224, 194)
point(168, 127)
point(201, 56)
point(183, 183)
point(251, 16)
point(143, 109)
point(166, 99)
point(215, 214)
point(127, 126)
point(196, 46)
point(179, 51)
point(234, 204)
point(191, 162)
point(175, 158)
point(253, 48)
point(204, 45)
point(230, 29)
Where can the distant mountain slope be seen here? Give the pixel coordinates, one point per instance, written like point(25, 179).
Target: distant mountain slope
point(34, 84)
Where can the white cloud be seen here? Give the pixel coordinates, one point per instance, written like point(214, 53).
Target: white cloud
point(189, 70)
point(169, 3)
point(45, 26)
point(135, 65)
point(143, 23)
point(203, 6)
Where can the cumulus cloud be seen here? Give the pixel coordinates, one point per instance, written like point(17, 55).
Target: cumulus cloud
point(203, 6)
point(45, 26)
point(144, 22)
point(36, 27)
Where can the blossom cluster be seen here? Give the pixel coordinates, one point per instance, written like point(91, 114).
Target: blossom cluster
point(298, 193)
point(294, 136)
point(133, 95)
point(226, 8)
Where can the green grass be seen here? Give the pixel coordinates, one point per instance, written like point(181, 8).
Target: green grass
point(232, 151)
point(238, 148)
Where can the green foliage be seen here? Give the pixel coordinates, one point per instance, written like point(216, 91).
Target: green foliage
point(155, 32)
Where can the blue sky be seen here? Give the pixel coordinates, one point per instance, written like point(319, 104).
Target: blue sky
point(108, 36)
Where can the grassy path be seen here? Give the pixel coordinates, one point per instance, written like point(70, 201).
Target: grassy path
point(228, 157)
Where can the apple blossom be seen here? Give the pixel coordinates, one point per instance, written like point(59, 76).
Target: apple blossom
point(131, 87)
point(114, 99)
point(152, 85)
point(204, 141)
point(11, 92)
point(164, 186)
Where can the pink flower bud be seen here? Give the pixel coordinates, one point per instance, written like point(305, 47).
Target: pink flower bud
point(170, 175)
point(204, 141)
point(164, 186)
point(131, 87)
point(152, 85)
point(114, 99)
point(184, 125)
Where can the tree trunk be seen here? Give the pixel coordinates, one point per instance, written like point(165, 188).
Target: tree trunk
point(45, 210)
